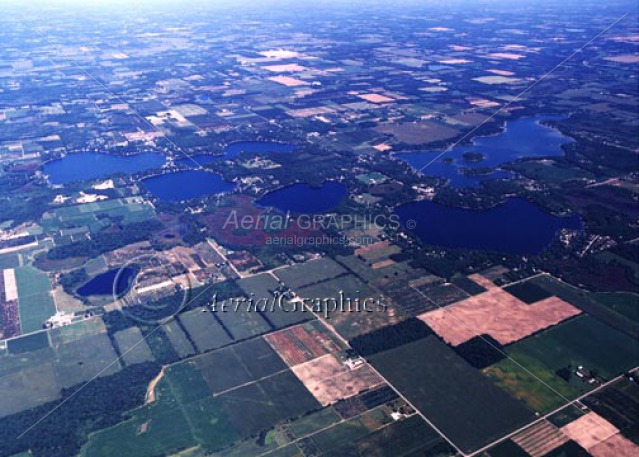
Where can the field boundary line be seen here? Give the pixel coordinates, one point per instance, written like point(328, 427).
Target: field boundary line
point(548, 414)
point(518, 96)
point(330, 328)
point(501, 351)
point(109, 91)
point(57, 49)
point(142, 340)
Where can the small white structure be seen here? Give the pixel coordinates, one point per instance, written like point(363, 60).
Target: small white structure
point(59, 319)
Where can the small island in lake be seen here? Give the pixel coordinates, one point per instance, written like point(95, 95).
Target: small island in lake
point(473, 156)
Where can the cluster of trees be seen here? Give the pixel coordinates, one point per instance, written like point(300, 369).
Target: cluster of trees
point(61, 432)
point(392, 336)
point(481, 351)
point(106, 241)
point(71, 280)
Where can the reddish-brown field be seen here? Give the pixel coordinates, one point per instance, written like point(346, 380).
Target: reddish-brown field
point(382, 264)
point(372, 247)
point(615, 446)
point(288, 81)
point(376, 98)
point(540, 439)
point(590, 430)
point(329, 380)
point(300, 344)
point(482, 281)
point(498, 314)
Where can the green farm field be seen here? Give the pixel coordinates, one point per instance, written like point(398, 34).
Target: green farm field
point(34, 298)
point(581, 341)
point(536, 385)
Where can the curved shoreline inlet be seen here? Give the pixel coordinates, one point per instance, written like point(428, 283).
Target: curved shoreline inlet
point(87, 166)
point(469, 165)
point(115, 281)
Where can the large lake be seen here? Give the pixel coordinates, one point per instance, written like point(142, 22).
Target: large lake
point(302, 198)
point(516, 227)
point(525, 137)
point(93, 165)
point(185, 185)
point(234, 149)
point(114, 281)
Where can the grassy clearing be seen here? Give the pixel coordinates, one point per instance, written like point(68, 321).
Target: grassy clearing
point(204, 330)
point(81, 360)
point(132, 346)
point(581, 341)
point(624, 303)
point(537, 386)
point(153, 430)
point(34, 298)
point(311, 272)
point(178, 339)
point(315, 422)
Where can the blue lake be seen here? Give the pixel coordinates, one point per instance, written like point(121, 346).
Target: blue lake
point(521, 138)
point(93, 165)
point(302, 198)
point(108, 283)
point(516, 227)
point(234, 149)
point(185, 185)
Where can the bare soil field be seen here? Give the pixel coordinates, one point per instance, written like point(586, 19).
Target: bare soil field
point(482, 281)
point(288, 81)
point(498, 314)
point(329, 380)
point(376, 98)
point(614, 446)
point(590, 430)
point(628, 58)
point(540, 439)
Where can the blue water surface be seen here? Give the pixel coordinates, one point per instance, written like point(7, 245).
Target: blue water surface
point(94, 165)
point(186, 185)
point(516, 227)
point(521, 138)
point(302, 198)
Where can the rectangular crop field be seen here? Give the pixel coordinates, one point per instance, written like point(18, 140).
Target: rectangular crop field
point(35, 300)
point(311, 272)
point(132, 346)
point(80, 360)
point(263, 288)
point(303, 342)
point(581, 341)
point(238, 364)
point(177, 337)
point(259, 405)
point(498, 314)
point(536, 385)
point(462, 403)
point(204, 330)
